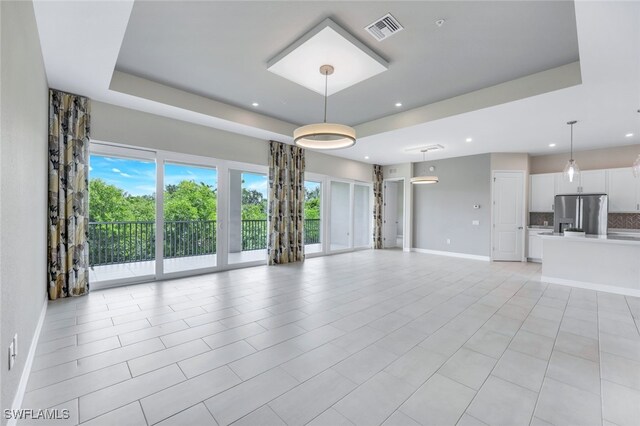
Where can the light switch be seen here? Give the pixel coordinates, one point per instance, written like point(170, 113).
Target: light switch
point(475, 222)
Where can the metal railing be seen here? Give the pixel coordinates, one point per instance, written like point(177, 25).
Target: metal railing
point(126, 242)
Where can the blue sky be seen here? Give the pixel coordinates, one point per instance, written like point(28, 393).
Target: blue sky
point(138, 177)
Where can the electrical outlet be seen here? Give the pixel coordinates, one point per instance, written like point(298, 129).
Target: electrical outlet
point(475, 222)
point(448, 240)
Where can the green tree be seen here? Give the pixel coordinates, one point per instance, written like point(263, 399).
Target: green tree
point(254, 205)
point(312, 203)
point(107, 203)
point(143, 207)
point(189, 200)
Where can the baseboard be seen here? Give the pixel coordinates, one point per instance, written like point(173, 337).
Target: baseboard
point(406, 249)
point(592, 286)
point(24, 378)
point(452, 254)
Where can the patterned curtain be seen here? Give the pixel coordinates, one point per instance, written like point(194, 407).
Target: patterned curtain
point(68, 251)
point(286, 203)
point(377, 206)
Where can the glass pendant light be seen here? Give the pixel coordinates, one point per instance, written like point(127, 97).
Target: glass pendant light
point(571, 170)
point(636, 165)
point(424, 179)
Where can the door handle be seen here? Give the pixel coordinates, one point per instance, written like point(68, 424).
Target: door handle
point(520, 227)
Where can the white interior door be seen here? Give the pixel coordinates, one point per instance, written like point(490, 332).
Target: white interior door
point(508, 227)
point(390, 213)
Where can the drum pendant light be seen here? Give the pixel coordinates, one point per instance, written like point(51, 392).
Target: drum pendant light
point(325, 135)
point(424, 179)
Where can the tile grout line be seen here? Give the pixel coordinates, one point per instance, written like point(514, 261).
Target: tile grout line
point(510, 340)
point(435, 372)
point(544, 377)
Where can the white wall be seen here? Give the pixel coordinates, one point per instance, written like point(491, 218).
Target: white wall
point(23, 187)
point(119, 125)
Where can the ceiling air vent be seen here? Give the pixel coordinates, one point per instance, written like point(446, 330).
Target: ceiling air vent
point(384, 27)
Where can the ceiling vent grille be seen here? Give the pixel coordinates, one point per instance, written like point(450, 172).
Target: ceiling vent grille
point(425, 148)
point(384, 27)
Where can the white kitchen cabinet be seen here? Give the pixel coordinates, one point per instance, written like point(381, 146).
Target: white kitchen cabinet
point(593, 182)
point(542, 191)
point(623, 190)
point(566, 187)
point(620, 184)
point(534, 244)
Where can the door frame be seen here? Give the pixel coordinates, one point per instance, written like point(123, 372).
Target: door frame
point(223, 228)
point(524, 211)
point(404, 210)
point(324, 212)
point(330, 180)
point(369, 208)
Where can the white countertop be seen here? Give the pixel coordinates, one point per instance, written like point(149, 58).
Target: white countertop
point(611, 230)
point(607, 239)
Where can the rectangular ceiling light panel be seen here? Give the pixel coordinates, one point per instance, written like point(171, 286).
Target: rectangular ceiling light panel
point(327, 44)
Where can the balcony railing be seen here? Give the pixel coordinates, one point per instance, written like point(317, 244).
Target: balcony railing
point(126, 242)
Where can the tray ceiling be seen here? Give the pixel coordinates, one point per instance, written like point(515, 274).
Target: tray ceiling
point(220, 50)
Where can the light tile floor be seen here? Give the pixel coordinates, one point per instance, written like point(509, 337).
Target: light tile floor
point(119, 271)
point(366, 338)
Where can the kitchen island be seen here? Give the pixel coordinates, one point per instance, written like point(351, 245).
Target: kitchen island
point(605, 263)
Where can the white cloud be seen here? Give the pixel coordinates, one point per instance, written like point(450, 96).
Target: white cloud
point(258, 186)
point(125, 175)
point(114, 170)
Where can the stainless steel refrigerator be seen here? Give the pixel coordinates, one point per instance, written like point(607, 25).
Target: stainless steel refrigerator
point(586, 211)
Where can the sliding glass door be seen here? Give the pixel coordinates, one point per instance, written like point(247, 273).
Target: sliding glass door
point(340, 216)
point(157, 214)
point(247, 240)
point(362, 215)
point(190, 211)
point(122, 215)
point(313, 217)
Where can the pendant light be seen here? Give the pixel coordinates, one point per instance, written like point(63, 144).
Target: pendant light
point(424, 179)
point(325, 135)
point(636, 165)
point(571, 170)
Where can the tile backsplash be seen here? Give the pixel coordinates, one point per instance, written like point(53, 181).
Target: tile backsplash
point(624, 220)
point(540, 218)
point(616, 220)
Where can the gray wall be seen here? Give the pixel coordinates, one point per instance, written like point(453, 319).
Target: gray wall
point(23, 187)
point(445, 210)
point(110, 123)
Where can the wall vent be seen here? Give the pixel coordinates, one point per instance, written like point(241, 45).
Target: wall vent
point(384, 27)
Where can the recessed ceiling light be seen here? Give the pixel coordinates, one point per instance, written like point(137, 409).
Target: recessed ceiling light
point(468, 140)
point(628, 135)
point(398, 104)
point(255, 104)
point(551, 145)
point(366, 157)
